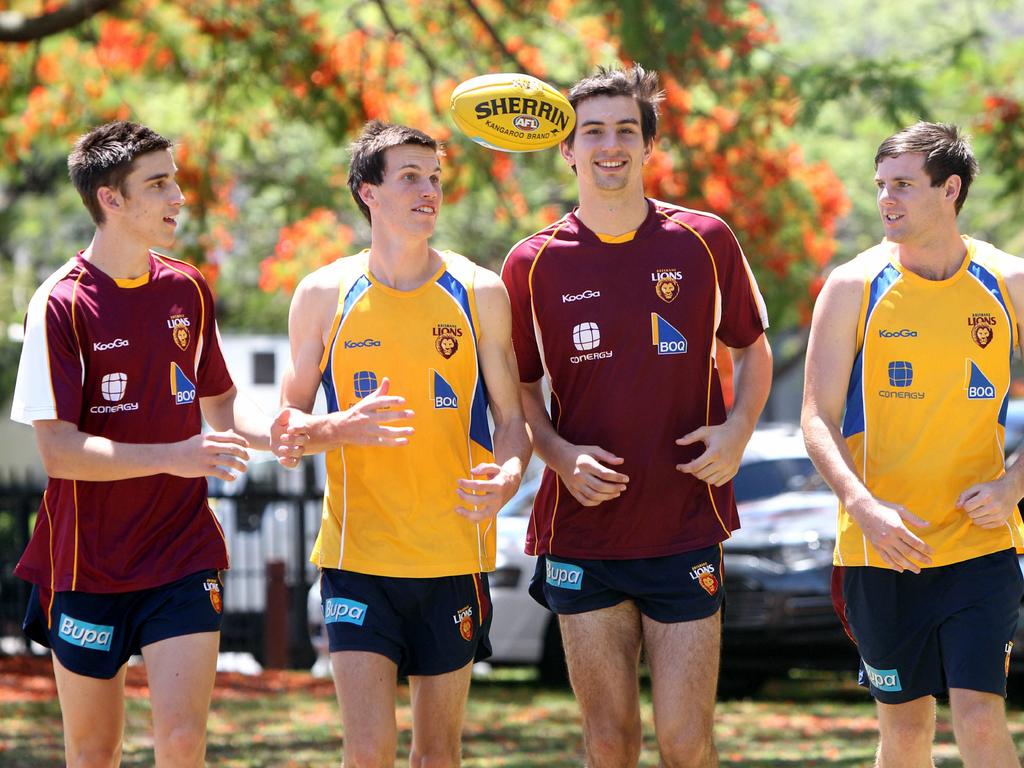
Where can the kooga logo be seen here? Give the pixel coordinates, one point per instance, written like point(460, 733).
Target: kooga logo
point(588, 294)
point(905, 333)
point(363, 343)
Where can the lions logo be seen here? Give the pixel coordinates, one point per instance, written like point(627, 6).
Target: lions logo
point(212, 587)
point(667, 289)
point(709, 583)
point(179, 325)
point(464, 618)
point(181, 337)
point(982, 332)
point(446, 344)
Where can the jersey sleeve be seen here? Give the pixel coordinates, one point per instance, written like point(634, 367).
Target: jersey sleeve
point(49, 383)
point(516, 275)
point(744, 316)
point(212, 371)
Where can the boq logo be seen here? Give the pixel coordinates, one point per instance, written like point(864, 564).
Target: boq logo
point(526, 122)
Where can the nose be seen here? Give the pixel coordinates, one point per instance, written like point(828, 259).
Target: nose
point(177, 198)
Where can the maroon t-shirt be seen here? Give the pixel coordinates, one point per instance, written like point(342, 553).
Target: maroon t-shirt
point(128, 364)
point(626, 334)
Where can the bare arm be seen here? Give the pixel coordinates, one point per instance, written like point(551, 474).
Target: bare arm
point(483, 498)
point(830, 357)
point(365, 423)
point(70, 454)
point(725, 442)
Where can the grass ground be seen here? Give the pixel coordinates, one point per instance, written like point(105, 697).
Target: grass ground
point(290, 720)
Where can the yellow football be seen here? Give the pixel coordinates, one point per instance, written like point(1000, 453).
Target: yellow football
point(512, 112)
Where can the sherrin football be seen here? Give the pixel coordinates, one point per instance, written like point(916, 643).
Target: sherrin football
point(512, 112)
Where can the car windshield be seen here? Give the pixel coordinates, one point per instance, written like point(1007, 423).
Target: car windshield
point(770, 477)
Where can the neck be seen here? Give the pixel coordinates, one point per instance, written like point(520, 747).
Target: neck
point(402, 264)
point(117, 256)
point(612, 213)
point(937, 259)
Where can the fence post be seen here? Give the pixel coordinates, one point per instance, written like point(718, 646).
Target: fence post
point(275, 618)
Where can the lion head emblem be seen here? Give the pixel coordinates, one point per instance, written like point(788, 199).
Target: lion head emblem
point(667, 289)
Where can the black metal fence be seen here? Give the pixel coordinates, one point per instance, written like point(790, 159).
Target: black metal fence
point(261, 527)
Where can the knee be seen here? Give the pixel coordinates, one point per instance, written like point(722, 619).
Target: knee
point(183, 744)
point(979, 722)
point(613, 747)
point(691, 748)
point(93, 755)
point(908, 736)
point(446, 758)
point(368, 755)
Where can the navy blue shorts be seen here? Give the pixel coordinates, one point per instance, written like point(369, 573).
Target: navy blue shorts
point(426, 626)
point(947, 627)
point(94, 634)
point(670, 589)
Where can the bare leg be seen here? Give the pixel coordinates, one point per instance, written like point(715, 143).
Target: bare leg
point(979, 722)
point(438, 708)
point(906, 733)
point(93, 712)
point(366, 684)
point(602, 649)
point(683, 658)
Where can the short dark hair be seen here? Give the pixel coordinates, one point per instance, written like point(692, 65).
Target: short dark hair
point(946, 152)
point(368, 154)
point(106, 155)
point(635, 82)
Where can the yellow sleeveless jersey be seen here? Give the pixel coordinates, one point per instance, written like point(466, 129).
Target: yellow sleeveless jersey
point(926, 404)
point(390, 511)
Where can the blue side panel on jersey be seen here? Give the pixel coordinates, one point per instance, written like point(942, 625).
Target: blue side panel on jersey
point(479, 430)
point(853, 418)
point(990, 282)
point(458, 291)
point(1002, 408)
point(355, 293)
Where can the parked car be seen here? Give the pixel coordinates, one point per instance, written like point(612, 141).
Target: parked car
point(778, 567)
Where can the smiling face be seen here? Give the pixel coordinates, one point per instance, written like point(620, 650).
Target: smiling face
point(409, 196)
point(608, 150)
point(910, 207)
point(146, 207)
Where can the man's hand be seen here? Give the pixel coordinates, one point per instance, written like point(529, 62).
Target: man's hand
point(288, 437)
point(214, 454)
point(885, 526)
point(483, 499)
point(989, 505)
point(365, 423)
point(584, 473)
point(723, 449)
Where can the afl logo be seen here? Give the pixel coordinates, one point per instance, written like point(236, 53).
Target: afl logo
point(526, 122)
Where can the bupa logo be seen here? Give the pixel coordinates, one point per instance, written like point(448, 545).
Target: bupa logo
point(104, 346)
point(441, 392)
point(977, 385)
point(903, 333)
point(883, 679)
point(563, 575)
point(568, 298)
point(361, 344)
point(81, 633)
point(182, 389)
point(341, 610)
point(665, 337)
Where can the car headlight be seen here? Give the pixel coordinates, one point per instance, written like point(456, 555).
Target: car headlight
point(505, 578)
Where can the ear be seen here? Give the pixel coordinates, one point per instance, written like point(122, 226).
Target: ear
point(368, 194)
point(566, 148)
point(951, 187)
point(648, 150)
point(109, 198)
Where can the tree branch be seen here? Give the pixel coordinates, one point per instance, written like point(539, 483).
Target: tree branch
point(496, 38)
point(17, 28)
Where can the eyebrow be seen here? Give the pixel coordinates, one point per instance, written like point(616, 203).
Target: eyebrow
point(156, 176)
point(630, 120)
point(418, 167)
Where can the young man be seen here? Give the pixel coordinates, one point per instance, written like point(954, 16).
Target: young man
point(408, 534)
point(120, 363)
point(620, 303)
point(908, 373)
